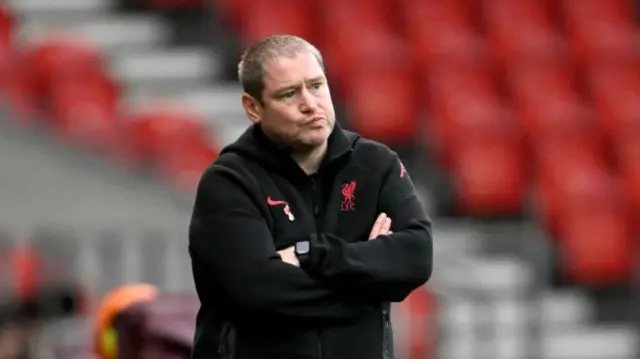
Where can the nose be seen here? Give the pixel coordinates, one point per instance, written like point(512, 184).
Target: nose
point(308, 103)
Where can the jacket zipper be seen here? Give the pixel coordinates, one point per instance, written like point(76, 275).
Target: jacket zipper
point(385, 334)
point(223, 341)
point(314, 198)
point(316, 213)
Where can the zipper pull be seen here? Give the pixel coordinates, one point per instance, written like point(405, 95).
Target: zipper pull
point(385, 318)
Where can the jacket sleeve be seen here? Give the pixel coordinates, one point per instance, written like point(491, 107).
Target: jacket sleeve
point(389, 267)
point(230, 241)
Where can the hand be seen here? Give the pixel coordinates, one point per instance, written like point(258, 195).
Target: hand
point(381, 227)
point(289, 256)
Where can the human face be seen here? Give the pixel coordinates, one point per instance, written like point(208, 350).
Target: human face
point(297, 109)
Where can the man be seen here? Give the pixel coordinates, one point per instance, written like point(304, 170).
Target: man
point(13, 339)
point(291, 245)
point(30, 295)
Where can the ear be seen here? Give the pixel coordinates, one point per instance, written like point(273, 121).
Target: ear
point(252, 108)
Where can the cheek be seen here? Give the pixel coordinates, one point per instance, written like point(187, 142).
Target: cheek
point(289, 120)
point(283, 121)
point(326, 104)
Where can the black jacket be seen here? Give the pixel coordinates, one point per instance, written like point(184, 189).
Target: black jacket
point(254, 305)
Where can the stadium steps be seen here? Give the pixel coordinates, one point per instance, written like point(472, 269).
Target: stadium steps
point(110, 227)
point(141, 57)
point(45, 184)
point(491, 291)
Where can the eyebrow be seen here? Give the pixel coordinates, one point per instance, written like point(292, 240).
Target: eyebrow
point(291, 87)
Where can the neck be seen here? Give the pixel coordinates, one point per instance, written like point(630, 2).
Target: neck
point(310, 161)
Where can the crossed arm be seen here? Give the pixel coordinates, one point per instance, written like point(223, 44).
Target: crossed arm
point(231, 245)
point(390, 265)
point(381, 227)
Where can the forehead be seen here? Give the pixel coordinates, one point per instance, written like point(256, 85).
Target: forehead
point(287, 71)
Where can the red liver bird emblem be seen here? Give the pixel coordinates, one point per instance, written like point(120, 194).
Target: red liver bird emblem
point(349, 199)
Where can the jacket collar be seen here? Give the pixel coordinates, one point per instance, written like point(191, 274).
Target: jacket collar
point(255, 144)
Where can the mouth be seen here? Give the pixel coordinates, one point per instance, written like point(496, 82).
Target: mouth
point(315, 120)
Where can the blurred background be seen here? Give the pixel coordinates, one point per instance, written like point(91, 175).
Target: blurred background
point(519, 121)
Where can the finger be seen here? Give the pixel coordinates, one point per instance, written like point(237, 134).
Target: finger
point(285, 252)
point(291, 260)
point(377, 225)
point(386, 226)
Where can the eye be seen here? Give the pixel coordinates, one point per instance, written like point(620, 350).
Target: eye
point(316, 85)
point(288, 94)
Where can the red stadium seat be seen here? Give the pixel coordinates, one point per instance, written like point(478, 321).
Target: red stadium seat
point(489, 177)
point(628, 160)
point(360, 35)
point(441, 32)
point(161, 129)
point(10, 80)
point(264, 18)
point(336, 12)
point(419, 313)
point(521, 31)
point(55, 60)
point(391, 116)
point(7, 26)
point(19, 94)
point(548, 103)
point(571, 174)
point(231, 10)
point(377, 50)
point(465, 105)
point(597, 246)
point(27, 269)
point(7, 66)
point(183, 168)
point(7, 29)
point(615, 89)
point(86, 112)
point(601, 28)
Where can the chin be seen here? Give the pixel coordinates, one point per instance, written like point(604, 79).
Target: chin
point(312, 141)
point(318, 137)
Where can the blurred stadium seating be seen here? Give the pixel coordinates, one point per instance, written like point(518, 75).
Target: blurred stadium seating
point(528, 111)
